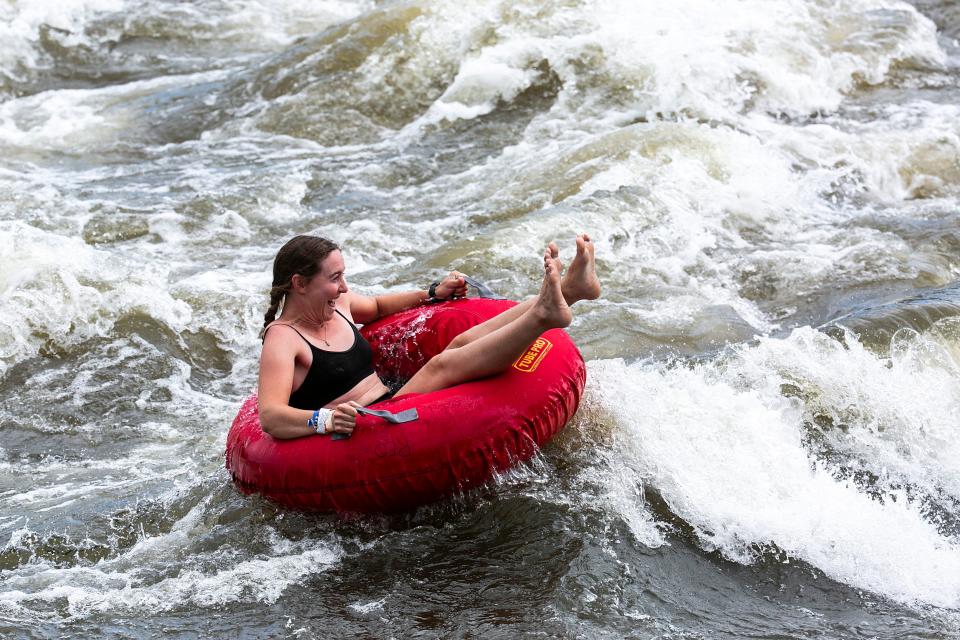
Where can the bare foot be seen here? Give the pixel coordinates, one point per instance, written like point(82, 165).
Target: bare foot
point(555, 254)
point(550, 308)
point(580, 281)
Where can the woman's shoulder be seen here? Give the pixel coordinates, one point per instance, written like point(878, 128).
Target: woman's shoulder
point(273, 335)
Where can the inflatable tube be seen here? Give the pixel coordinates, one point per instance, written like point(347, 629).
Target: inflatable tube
point(463, 436)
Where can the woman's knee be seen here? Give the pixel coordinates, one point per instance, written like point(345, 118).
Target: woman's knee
point(440, 368)
point(461, 340)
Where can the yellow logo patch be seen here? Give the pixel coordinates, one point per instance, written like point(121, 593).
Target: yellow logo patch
point(531, 359)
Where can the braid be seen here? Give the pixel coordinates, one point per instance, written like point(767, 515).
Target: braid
point(276, 299)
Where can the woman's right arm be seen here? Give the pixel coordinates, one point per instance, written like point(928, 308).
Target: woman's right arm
point(277, 417)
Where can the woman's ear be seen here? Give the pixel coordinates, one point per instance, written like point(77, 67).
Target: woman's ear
point(298, 283)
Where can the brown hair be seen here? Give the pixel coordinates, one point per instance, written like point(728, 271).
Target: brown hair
point(301, 255)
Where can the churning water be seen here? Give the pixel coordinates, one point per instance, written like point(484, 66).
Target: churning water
point(769, 445)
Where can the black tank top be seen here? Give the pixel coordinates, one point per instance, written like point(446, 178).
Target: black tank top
point(333, 373)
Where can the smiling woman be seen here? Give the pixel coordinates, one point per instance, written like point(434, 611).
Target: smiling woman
point(306, 389)
point(439, 443)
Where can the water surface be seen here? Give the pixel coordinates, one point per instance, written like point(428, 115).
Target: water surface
point(768, 445)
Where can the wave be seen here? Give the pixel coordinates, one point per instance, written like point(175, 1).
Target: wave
point(413, 67)
point(94, 43)
point(59, 292)
point(821, 450)
point(742, 167)
point(181, 565)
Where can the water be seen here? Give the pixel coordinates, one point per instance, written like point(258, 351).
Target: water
point(768, 445)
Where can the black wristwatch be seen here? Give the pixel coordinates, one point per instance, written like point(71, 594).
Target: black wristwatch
point(432, 293)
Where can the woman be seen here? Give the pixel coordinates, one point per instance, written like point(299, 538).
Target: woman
point(316, 368)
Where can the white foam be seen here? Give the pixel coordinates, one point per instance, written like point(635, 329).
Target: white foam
point(660, 142)
point(726, 452)
point(74, 119)
point(707, 184)
point(21, 21)
point(265, 24)
point(57, 288)
point(369, 607)
point(91, 590)
point(498, 74)
point(894, 416)
point(715, 59)
point(210, 579)
point(57, 483)
point(250, 25)
point(216, 294)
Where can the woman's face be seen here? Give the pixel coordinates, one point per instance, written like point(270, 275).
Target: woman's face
point(323, 289)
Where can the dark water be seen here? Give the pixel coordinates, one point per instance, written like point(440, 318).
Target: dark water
point(768, 445)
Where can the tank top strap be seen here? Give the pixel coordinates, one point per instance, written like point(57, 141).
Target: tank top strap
point(283, 324)
point(352, 326)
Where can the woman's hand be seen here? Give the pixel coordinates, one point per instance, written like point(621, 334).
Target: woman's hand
point(452, 285)
point(344, 418)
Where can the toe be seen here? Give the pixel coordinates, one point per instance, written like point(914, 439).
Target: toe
point(581, 244)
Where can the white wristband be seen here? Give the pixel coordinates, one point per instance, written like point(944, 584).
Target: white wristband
point(328, 421)
point(324, 419)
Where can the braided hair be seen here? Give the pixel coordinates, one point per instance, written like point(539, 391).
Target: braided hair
point(301, 255)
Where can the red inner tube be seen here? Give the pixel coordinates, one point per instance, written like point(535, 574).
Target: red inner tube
point(464, 434)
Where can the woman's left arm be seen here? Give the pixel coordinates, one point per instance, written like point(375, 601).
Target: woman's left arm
point(365, 309)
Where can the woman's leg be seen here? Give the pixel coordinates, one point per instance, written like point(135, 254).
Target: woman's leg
point(498, 349)
point(579, 283)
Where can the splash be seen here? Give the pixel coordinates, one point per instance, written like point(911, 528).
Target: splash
point(730, 454)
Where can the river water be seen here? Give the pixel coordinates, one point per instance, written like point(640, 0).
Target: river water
point(769, 444)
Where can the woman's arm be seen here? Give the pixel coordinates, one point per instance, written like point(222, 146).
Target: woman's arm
point(277, 417)
point(365, 309)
